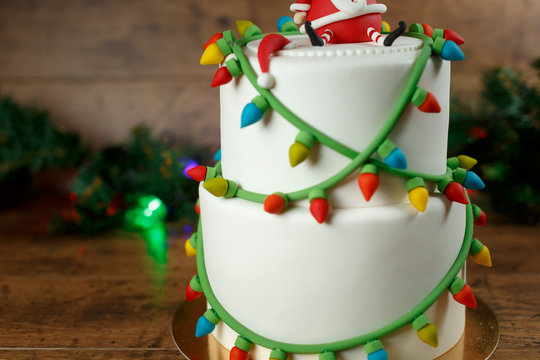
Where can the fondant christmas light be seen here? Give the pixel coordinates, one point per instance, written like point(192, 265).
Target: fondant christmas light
point(191, 246)
point(375, 351)
point(418, 194)
point(479, 216)
point(327, 355)
point(247, 29)
point(448, 50)
point(212, 55)
point(463, 293)
point(392, 155)
point(275, 203)
point(318, 205)
point(241, 349)
point(219, 187)
point(226, 73)
point(425, 29)
point(216, 52)
point(286, 24)
point(426, 331)
point(480, 254)
point(189, 165)
point(207, 323)
point(386, 28)
point(368, 181)
point(221, 77)
point(213, 39)
point(278, 354)
point(254, 111)
point(217, 155)
point(198, 207)
point(425, 101)
point(194, 289)
point(462, 161)
point(448, 34)
point(453, 190)
point(444, 33)
point(201, 173)
point(299, 151)
point(469, 179)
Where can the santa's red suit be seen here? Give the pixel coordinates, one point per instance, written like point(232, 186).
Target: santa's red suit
point(342, 21)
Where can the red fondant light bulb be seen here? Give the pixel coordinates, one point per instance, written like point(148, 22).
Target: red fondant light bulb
point(274, 204)
point(213, 39)
point(192, 294)
point(198, 173)
point(238, 354)
point(428, 30)
point(455, 192)
point(482, 219)
point(222, 77)
point(319, 209)
point(454, 36)
point(369, 183)
point(430, 105)
point(198, 208)
point(466, 297)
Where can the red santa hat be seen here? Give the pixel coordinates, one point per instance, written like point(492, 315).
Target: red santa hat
point(270, 44)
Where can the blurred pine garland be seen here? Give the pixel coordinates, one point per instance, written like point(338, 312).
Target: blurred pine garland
point(29, 143)
point(118, 178)
point(503, 133)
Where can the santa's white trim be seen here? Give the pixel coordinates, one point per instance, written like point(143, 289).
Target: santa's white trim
point(300, 7)
point(340, 16)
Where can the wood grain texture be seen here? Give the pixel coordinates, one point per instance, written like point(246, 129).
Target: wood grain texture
point(102, 66)
point(115, 302)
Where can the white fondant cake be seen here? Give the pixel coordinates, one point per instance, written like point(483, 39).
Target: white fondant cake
point(369, 270)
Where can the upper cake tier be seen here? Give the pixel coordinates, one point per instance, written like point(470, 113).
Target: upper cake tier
point(347, 92)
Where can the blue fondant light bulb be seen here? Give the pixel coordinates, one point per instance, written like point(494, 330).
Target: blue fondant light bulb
point(473, 181)
point(452, 52)
point(378, 355)
point(251, 115)
point(285, 23)
point(204, 327)
point(217, 155)
point(396, 159)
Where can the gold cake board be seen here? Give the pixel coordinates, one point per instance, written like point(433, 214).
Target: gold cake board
point(478, 342)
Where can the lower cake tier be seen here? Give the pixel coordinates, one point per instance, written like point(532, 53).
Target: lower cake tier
point(286, 279)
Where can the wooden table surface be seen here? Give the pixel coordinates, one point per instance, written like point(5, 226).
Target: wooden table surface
point(71, 297)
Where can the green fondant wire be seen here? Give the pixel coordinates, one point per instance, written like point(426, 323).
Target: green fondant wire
point(406, 319)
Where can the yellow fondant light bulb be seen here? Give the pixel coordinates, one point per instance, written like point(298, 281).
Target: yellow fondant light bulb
point(242, 26)
point(467, 162)
point(428, 334)
point(483, 257)
point(217, 186)
point(419, 198)
point(298, 152)
point(190, 250)
point(212, 55)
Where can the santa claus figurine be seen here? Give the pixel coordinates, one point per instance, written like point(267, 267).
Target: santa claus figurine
point(343, 21)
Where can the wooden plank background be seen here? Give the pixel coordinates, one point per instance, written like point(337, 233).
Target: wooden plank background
point(102, 66)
